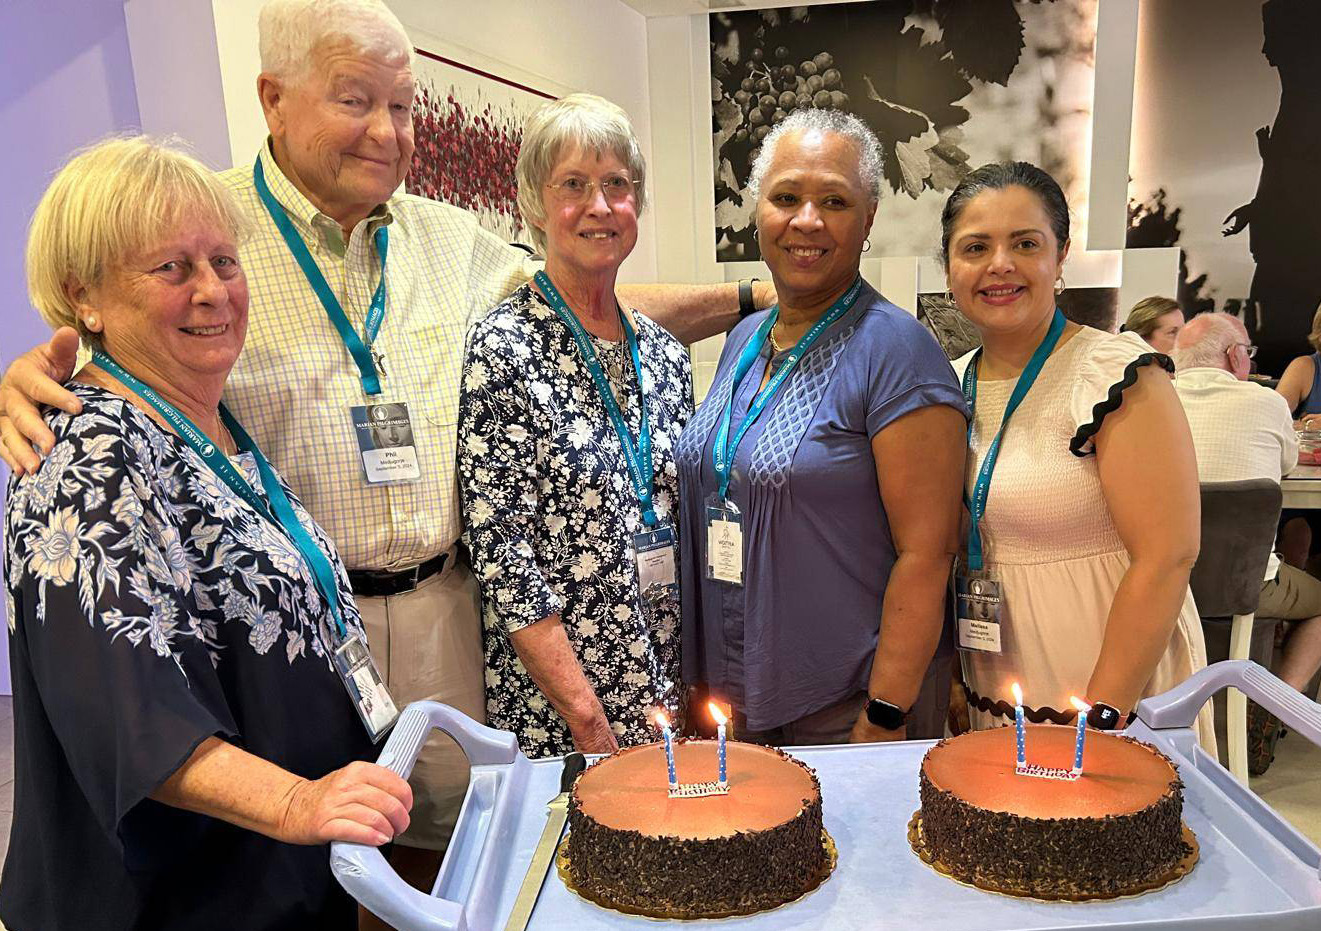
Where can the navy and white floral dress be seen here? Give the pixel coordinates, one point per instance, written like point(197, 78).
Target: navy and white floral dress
point(550, 513)
point(149, 609)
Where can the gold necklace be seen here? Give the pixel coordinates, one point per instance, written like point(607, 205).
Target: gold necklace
point(775, 347)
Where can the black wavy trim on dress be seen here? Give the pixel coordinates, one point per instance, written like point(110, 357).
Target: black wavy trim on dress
point(689, 878)
point(1043, 715)
point(1052, 856)
point(1114, 398)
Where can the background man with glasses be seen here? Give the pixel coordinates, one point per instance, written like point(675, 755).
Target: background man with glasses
point(1243, 431)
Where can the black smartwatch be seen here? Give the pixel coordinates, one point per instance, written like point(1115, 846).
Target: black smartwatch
point(746, 304)
point(1104, 717)
point(885, 715)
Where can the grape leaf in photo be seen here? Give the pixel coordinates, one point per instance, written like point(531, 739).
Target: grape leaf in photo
point(924, 78)
point(984, 36)
point(915, 164)
point(727, 118)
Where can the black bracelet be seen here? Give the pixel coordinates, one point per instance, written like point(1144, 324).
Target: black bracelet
point(746, 304)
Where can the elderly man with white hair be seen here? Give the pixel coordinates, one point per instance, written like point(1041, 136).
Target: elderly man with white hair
point(1244, 431)
point(361, 299)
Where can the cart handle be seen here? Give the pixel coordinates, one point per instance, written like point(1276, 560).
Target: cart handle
point(363, 870)
point(1179, 706)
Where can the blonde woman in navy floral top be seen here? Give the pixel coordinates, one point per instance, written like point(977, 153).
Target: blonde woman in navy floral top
point(576, 657)
point(184, 749)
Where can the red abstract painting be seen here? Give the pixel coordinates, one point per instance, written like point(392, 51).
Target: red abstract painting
point(469, 126)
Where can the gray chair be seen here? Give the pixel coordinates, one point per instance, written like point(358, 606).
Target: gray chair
point(1239, 520)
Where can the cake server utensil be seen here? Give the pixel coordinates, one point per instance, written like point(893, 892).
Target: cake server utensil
point(557, 814)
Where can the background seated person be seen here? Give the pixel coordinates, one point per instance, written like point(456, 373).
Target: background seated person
point(1243, 431)
point(179, 725)
point(1300, 385)
point(1157, 320)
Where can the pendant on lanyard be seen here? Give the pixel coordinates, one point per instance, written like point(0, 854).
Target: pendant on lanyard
point(351, 657)
point(724, 524)
point(654, 547)
point(383, 432)
point(980, 599)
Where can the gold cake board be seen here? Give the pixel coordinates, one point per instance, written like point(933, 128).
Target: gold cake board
point(562, 867)
point(1180, 870)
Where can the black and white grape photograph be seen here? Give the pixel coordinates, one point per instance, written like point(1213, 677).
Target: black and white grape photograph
point(946, 85)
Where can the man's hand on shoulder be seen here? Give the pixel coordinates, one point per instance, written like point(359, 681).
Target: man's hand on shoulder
point(36, 378)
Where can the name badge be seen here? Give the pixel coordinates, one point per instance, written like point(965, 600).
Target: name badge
point(657, 579)
point(385, 440)
point(724, 541)
point(980, 603)
point(353, 662)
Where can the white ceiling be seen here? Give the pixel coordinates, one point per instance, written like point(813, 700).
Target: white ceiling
point(691, 7)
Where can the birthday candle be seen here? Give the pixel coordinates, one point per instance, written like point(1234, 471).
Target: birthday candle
point(1083, 708)
point(664, 723)
point(720, 739)
point(1020, 724)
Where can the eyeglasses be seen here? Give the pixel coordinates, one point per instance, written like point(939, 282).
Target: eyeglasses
point(1248, 348)
point(576, 190)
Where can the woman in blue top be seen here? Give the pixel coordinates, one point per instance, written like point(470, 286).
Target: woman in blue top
point(1300, 384)
point(820, 479)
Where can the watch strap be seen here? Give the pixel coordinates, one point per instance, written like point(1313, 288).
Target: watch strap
point(886, 715)
point(746, 304)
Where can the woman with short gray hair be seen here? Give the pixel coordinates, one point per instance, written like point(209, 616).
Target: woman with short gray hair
point(820, 477)
point(568, 414)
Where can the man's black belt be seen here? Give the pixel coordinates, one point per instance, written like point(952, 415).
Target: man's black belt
point(379, 584)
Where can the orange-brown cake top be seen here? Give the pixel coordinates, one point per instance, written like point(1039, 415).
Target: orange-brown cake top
point(1119, 777)
point(629, 791)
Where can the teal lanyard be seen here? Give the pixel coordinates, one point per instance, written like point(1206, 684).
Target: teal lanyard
point(361, 351)
point(977, 505)
point(725, 449)
point(284, 518)
point(640, 467)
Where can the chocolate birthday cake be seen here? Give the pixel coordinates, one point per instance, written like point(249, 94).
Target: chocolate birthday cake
point(1115, 830)
point(633, 847)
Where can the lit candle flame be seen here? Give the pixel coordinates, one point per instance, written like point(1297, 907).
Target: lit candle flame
point(1081, 705)
point(1018, 693)
point(661, 720)
point(717, 713)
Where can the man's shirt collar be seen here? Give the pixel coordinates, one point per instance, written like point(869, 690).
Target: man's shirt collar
point(310, 222)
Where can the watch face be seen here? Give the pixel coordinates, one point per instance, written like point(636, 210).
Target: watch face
point(885, 715)
point(1103, 717)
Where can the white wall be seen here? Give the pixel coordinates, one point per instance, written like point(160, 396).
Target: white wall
point(164, 39)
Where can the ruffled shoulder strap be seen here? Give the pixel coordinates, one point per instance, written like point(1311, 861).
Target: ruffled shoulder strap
point(1108, 365)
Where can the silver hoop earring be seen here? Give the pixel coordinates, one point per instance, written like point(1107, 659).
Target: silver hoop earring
point(866, 245)
point(1059, 284)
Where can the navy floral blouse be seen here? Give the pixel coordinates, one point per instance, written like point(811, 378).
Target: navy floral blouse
point(150, 608)
point(550, 514)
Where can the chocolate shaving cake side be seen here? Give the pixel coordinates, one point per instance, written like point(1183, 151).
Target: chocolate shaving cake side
point(687, 878)
point(1051, 856)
